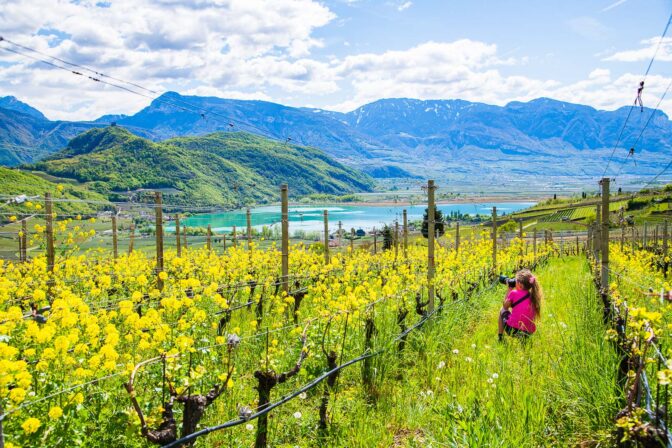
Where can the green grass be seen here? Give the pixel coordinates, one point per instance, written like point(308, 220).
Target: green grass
point(557, 390)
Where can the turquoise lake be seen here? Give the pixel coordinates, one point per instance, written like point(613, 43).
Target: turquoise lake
point(309, 217)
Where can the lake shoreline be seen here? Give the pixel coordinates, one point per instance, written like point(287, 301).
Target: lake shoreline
point(401, 203)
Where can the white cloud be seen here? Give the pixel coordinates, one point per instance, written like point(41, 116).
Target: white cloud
point(647, 52)
point(404, 6)
point(462, 69)
point(248, 48)
point(614, 5)
point(247, 44)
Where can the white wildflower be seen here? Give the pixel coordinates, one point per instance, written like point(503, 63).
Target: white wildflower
point(303, 395)
point(441, 365)
point(249, 426)
point(297, 415)
point(455, 351)
point(495, 376)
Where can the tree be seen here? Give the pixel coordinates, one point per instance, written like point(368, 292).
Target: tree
point(439, 223)
point(388, 238)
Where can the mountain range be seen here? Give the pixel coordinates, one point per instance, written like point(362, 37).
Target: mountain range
point(543, 140)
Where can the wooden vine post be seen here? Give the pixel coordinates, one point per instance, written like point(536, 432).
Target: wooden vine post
point(646, 235)
point(457, 237)
point(375, 241)
point(131, 238)
point(589, 240)
point(178, 244)
point(578, 248)
point(284, 198)
point(208, 238)
point(326, 237)
point(405, 234)
point(665, 244)
point(24, 240)
point(158, 212)
point(430, 243)
point(534, 243)
point(494, 240)
point(115, 250)
point(249, 228)
point(396, 240)
point(184, 238)
point(235, 238)
point(598, 233)
point(51, 255)
point(604, 278)
point(655, 237)
point(20, 246)
point(49, 212)
point(340, 232)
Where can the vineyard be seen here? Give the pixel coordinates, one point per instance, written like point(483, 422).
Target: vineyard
point(297, 345)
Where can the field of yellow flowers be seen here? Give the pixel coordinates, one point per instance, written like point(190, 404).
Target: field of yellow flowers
point(108, 352)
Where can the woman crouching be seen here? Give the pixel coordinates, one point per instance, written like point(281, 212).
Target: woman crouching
point(522, 305)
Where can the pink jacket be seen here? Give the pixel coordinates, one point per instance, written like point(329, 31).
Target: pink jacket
point(523, 314)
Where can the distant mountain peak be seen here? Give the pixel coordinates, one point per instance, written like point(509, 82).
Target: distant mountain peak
point(13, 103)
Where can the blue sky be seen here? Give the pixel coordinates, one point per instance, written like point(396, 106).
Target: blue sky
point(337, 54)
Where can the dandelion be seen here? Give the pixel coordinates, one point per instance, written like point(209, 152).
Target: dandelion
point(245, 413)
point(297, 415)
point(455, 351)
point(303, 395)
point(490, 381)
point(441, 365)
point(249, 426)
point(468, 359)
point(495, 376)
point(232, 340)
point(473, 345)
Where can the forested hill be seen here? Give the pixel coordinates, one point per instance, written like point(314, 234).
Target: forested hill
point(225, 168)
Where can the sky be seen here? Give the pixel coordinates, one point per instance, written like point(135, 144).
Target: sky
point(336, 54)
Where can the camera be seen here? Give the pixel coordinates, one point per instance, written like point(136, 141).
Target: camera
point(510, 282)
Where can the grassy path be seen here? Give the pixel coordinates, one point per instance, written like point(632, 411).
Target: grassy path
point(460, 387)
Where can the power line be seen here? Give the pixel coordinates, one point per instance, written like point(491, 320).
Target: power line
point(648, 121)
point(648, 69)
point(194, 108)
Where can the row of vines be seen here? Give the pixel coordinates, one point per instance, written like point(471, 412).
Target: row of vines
point(638, 306)
point(105, 352)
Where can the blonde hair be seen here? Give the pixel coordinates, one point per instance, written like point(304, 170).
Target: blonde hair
point(530, 283)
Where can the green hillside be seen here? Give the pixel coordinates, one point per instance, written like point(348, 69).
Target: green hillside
point(14, 183)
point(220, 168)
